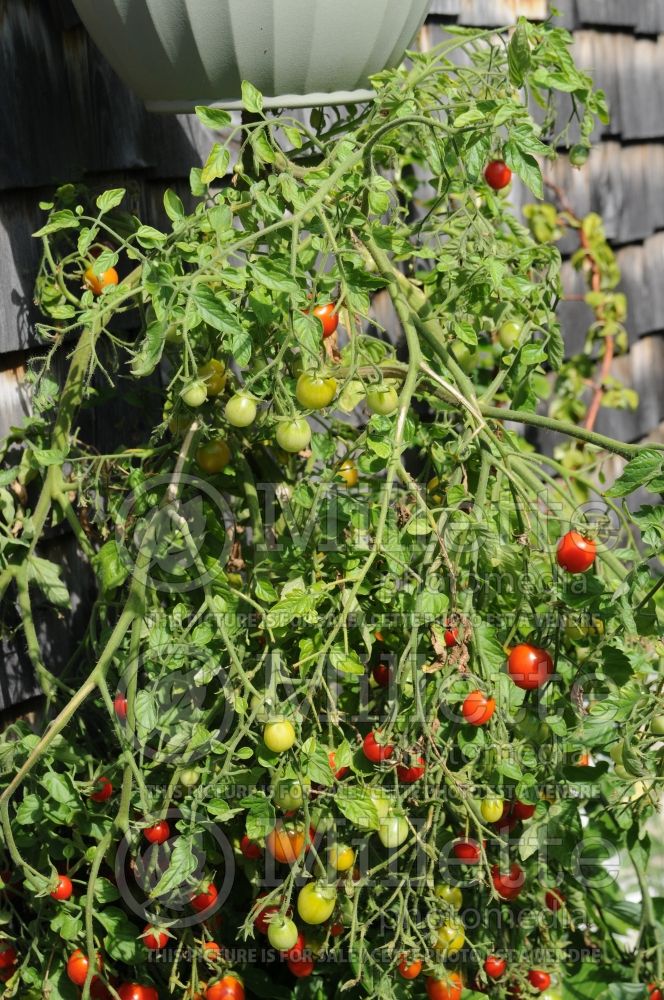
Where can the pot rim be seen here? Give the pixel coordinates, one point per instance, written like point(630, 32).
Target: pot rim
point(314, 100)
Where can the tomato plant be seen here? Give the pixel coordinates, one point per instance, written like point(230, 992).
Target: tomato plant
point(343, 635)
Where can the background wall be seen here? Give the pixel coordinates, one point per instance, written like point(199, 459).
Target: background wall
point(65, 116)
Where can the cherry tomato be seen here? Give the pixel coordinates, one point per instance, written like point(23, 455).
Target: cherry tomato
point(381, 674)
point(508, 885)
point(467, 851)
point(348, 472)
point(328, 318)
point(189, 777)
point(554, 899)
point(201, 901)
point(409, 969)
point(293, 435)
point(64, 888)
point(393, 830)
point(279, 736)
point(450, 894)
point(251, 850)
point(98, 282)
point(342, 857)
point(213, 375)
point(337, 929)
point(134, 991)
point(301, 967)
point(375, 751)
point(314, 392)
point(529, 666)
point(288, 794)
point(509, 333)
point(575, 553)
point(158, 833)
point(211, 951)
point(523, 810)
point(451, 637)
point(286, 842)
point(78, 965)
point(316, 902)
point(382, 399)
point(240, 410)
point(262, 919)
point(104, 789)
point(494, 966)
point(539, 980)
point(99, 990)
point(8, 955)
point(282, 933)
point(657, 725)
point(412, 772)
point(497, 174)
point(120, 707)
point(654, 993)
point(337, 771)
point(491, 809)
point(468, 360)
point(213, 456)
point(477, 709)
point(506, 821)
point(154, 938)
point(450, 938)
point(194, 394)
point(228, 988)
point(444, 989)
point(299, 949)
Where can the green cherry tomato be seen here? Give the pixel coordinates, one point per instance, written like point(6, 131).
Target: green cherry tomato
point(189, 777)
point(279, 735)
point(491, 809)
point(657, 725)
point(509, 333)
point(289, 793)
point(450, 894)
point(282, 933)
point(578, 154)
point(450, 938)
point(616, 752)
point(213, 456)
point(293, 435)
point(393, 830)
point(313, 392)
point(240, 410)
point(467, 359)
point(194, 394)
point(174, 334)
point(382, 399)
point(316, 902)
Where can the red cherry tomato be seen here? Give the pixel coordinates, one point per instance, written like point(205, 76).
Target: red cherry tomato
point(374, 751)
point(497, 174)
point(338, 771)
point(539, 980)
point(494, 966)
point(523, 810)
point(159, 833)
point(328, 318)
point(654, 992)
point(337, 929)
point(201, 901)
point(99, 990)
point(78, 965)
point(508, 885)
point(228, 988)
point(134, 991)
point(104, 789)
point(451, 637)
point(381, 675)
point(8, 955)
point(64, 888)
point(262, 919)
point(554, 899)
point(575, 553)
point(444, 989)
point(529, 666)
point(153, 938)
point(409, 969)
point(251, 850)
point(413, 772)
point(301, 967)
point(507, 821)
point(467, 851)
point(477, 709)
point(120, 707)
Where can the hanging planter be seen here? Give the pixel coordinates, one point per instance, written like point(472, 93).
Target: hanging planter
point(176, 54)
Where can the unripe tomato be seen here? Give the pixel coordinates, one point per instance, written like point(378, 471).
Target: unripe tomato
point(194, 394)
point(9, 954)
point(285, 842)
point(409, 969)
point(282, 933)
point(529, 666)
point(203, 900)
point(450, 894)
point(466, 358)
point(494, 966)
point(523, 810)
point(467, 851)
point(348, 472)
point(329, 319)
point(554, 899)
point(159, 833)
point(228, 988)
point(134, 991)
point(314, 392)
point(497, 174)
point(508, 885)
point(104, 789)
point(63, 889)
point(492, 809)
point(539, 980)
point(575, 553)
point(382, 399)
point(477, 709)
point(375, 751)
point(301, 967)
point(509, 332)
point(279, 736)
point(316, 902)
point(433, 489)
point(240, 410)
point(189, 777)
point(213, 375)
point(577, 631)
point(450, 988)
point(173, 334)
point(342, 857)
point(657, 725)
point(154, 938)
point(293, 435)
point(578, 154)
point(213, 456)
point(393, 830)
point(288, 794)
point(250, 849)
point(98, 282)
point(450, 938)
point(411, 772)
point(120, 707)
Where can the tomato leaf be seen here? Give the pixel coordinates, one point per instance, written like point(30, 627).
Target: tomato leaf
point(110, 199)
point(252, 99)
point(213, 117)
